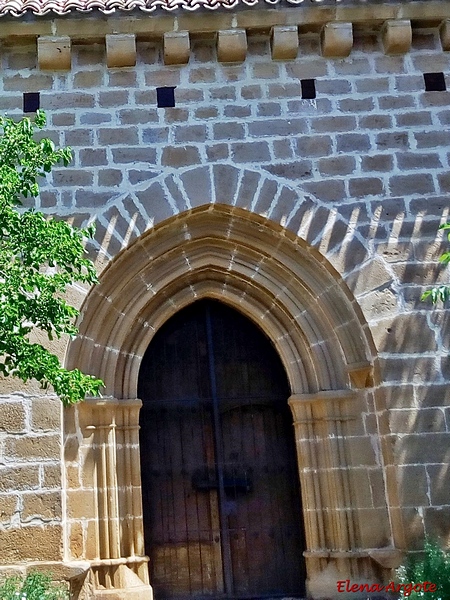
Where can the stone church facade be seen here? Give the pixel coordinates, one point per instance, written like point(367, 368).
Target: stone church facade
point(289, 160)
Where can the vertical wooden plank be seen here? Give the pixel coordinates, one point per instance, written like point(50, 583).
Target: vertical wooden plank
point(183, 521)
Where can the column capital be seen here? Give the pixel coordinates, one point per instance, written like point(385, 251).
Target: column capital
point(326, 405)
point(111, 401)
point(322, 396)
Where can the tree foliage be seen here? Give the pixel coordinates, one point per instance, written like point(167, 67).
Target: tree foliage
point(433, 566)
point(39, 258)
point(35, 586)
point(440, 292)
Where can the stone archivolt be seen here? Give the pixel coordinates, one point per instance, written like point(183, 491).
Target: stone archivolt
point(307, 311)
point(220, 252)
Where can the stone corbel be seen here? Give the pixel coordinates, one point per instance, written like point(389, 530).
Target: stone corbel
point(444, 32)
point(120, 50)
point(176, 48)
point(54, 53)
point(397, 36)
point(361, 375)
point(231, 45)
point(284, 42)
point(336, 40)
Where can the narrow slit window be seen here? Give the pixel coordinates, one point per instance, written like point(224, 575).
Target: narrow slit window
point(165, 97)
point(434, 82)
point(308, 89)
point(31, 102)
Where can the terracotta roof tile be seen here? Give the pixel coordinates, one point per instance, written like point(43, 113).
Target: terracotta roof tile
point(18, 8)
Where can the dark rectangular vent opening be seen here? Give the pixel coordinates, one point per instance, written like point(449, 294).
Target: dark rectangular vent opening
point(308, 89)
point(31, 102)
point(165, 97)
point(434, 82)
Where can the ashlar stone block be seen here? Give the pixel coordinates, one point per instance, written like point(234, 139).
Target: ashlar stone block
point(12, 417)
point(45, 506)
point(444, 32)
point(231, 45)
point(54, 53)
point(120, 50)
point(397, 36)
point(176, 47)
point(7, 508)
point(33, 543)
point(284, 42)
point(336, 40)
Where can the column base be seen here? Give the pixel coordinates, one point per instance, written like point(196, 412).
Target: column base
point(117, 579)
point(144, 592)
point(363, 570)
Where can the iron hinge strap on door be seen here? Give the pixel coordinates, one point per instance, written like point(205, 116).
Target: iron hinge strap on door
point(226, 548)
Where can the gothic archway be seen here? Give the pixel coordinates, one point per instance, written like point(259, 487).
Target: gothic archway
point(349, 499)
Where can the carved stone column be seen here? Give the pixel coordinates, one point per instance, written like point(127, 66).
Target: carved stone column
point(120, 566)
point(335, 456)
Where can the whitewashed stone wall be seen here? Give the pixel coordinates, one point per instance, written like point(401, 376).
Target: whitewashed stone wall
point(361, 173)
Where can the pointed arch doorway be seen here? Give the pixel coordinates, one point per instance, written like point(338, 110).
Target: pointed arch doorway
point(222, 512)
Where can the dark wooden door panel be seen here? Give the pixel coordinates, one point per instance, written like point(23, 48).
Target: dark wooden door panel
point(222, 511)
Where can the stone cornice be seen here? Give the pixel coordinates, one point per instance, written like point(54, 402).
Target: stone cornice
point(119, 33)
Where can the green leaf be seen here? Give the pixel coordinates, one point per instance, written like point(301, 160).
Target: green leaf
point(39, 257)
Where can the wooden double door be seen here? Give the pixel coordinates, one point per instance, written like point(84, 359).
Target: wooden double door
point(222, 514)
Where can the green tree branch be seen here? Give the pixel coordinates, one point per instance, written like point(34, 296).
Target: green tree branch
point(440, 292)
point(39, 258)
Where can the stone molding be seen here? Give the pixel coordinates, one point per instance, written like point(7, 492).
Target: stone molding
point(19, 8)
point(320, 333)
point(110, 451)
point(335, 501)
point(444, 32)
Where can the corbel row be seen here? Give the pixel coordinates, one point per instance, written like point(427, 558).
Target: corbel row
point(336, 41)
